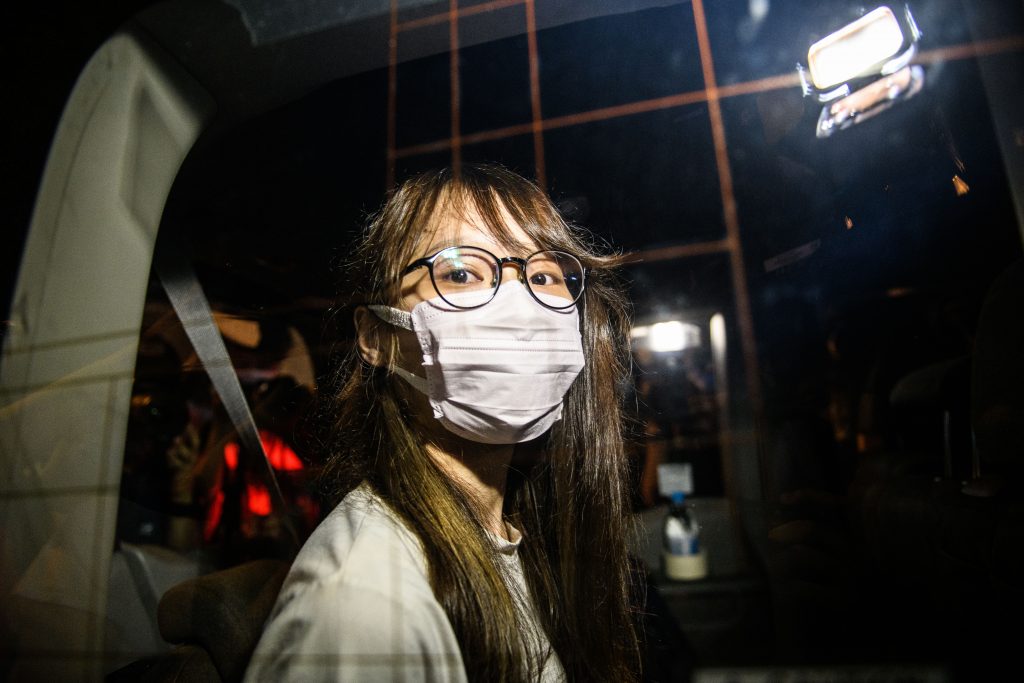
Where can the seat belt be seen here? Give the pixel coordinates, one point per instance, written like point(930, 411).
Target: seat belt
point(193, 310)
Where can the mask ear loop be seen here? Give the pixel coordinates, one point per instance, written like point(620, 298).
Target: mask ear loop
point(393, 316)
point(415, 381)
point(403, 319)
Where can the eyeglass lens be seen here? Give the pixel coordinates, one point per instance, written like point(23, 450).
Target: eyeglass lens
point(467, 277)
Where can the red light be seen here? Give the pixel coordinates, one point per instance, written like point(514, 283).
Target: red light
point(257, 499)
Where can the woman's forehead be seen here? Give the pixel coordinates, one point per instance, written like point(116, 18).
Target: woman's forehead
point(465, 224)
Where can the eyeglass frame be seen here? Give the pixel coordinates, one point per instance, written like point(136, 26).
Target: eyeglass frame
point(428, 261)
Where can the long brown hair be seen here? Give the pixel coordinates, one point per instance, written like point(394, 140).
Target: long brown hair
point(571, 504)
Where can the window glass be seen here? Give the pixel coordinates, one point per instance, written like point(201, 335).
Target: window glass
point(826, 310)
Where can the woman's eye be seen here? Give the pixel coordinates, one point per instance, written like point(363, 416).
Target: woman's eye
point(461, 274)
point(459, 277)
point(544, 279)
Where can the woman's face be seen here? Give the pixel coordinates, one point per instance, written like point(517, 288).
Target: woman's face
point(449, 230)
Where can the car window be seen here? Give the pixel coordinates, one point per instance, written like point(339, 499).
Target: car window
point(824, 269)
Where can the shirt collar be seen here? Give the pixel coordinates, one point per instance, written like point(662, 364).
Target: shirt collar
point(507, 546)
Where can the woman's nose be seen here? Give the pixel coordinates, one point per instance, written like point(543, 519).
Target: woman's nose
point(517, 265)
point(518, 272)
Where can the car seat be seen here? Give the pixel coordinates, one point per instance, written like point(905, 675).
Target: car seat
point(945, 554)
point(215, 622)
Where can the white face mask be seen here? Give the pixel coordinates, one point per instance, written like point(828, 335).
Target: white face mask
point(495, 374)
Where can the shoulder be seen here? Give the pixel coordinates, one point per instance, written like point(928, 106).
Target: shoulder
point(352, 542)
point(357, 604)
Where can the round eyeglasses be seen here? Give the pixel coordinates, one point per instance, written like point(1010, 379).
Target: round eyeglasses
point(469, 277)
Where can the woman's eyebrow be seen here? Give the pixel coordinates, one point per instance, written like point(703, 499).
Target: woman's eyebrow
point(490, 245)
point(455, 241)
point(436, 247)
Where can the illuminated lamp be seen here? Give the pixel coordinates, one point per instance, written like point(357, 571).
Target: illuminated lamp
point(870, 100)
point(671, 335)
point(863, 68)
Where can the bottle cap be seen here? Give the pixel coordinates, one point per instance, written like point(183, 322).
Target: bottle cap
point(678, 497)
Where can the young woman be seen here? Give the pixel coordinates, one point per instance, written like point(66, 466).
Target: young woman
point(477, 463)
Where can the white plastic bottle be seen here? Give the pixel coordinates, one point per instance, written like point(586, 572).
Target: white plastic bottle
point(682, 554)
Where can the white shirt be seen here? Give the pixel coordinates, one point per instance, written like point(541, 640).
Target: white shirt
point(357, 606)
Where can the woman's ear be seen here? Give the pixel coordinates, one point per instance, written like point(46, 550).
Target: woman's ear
point(368, 337)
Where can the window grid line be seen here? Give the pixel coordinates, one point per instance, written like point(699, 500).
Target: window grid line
point(8, 495)
point(985, 48)
point(442, 17)
point(679, 251)
point(741, 294)
point(392, 92)
point(453, 52)
point(540, 171)
point(98, 583)
point(777, 82)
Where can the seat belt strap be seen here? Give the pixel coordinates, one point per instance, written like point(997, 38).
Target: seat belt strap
point(193, 310)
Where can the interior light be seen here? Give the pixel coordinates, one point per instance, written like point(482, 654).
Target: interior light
point(856, 49)
point(863, 68)
point(673, 335)
point(879, 43)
